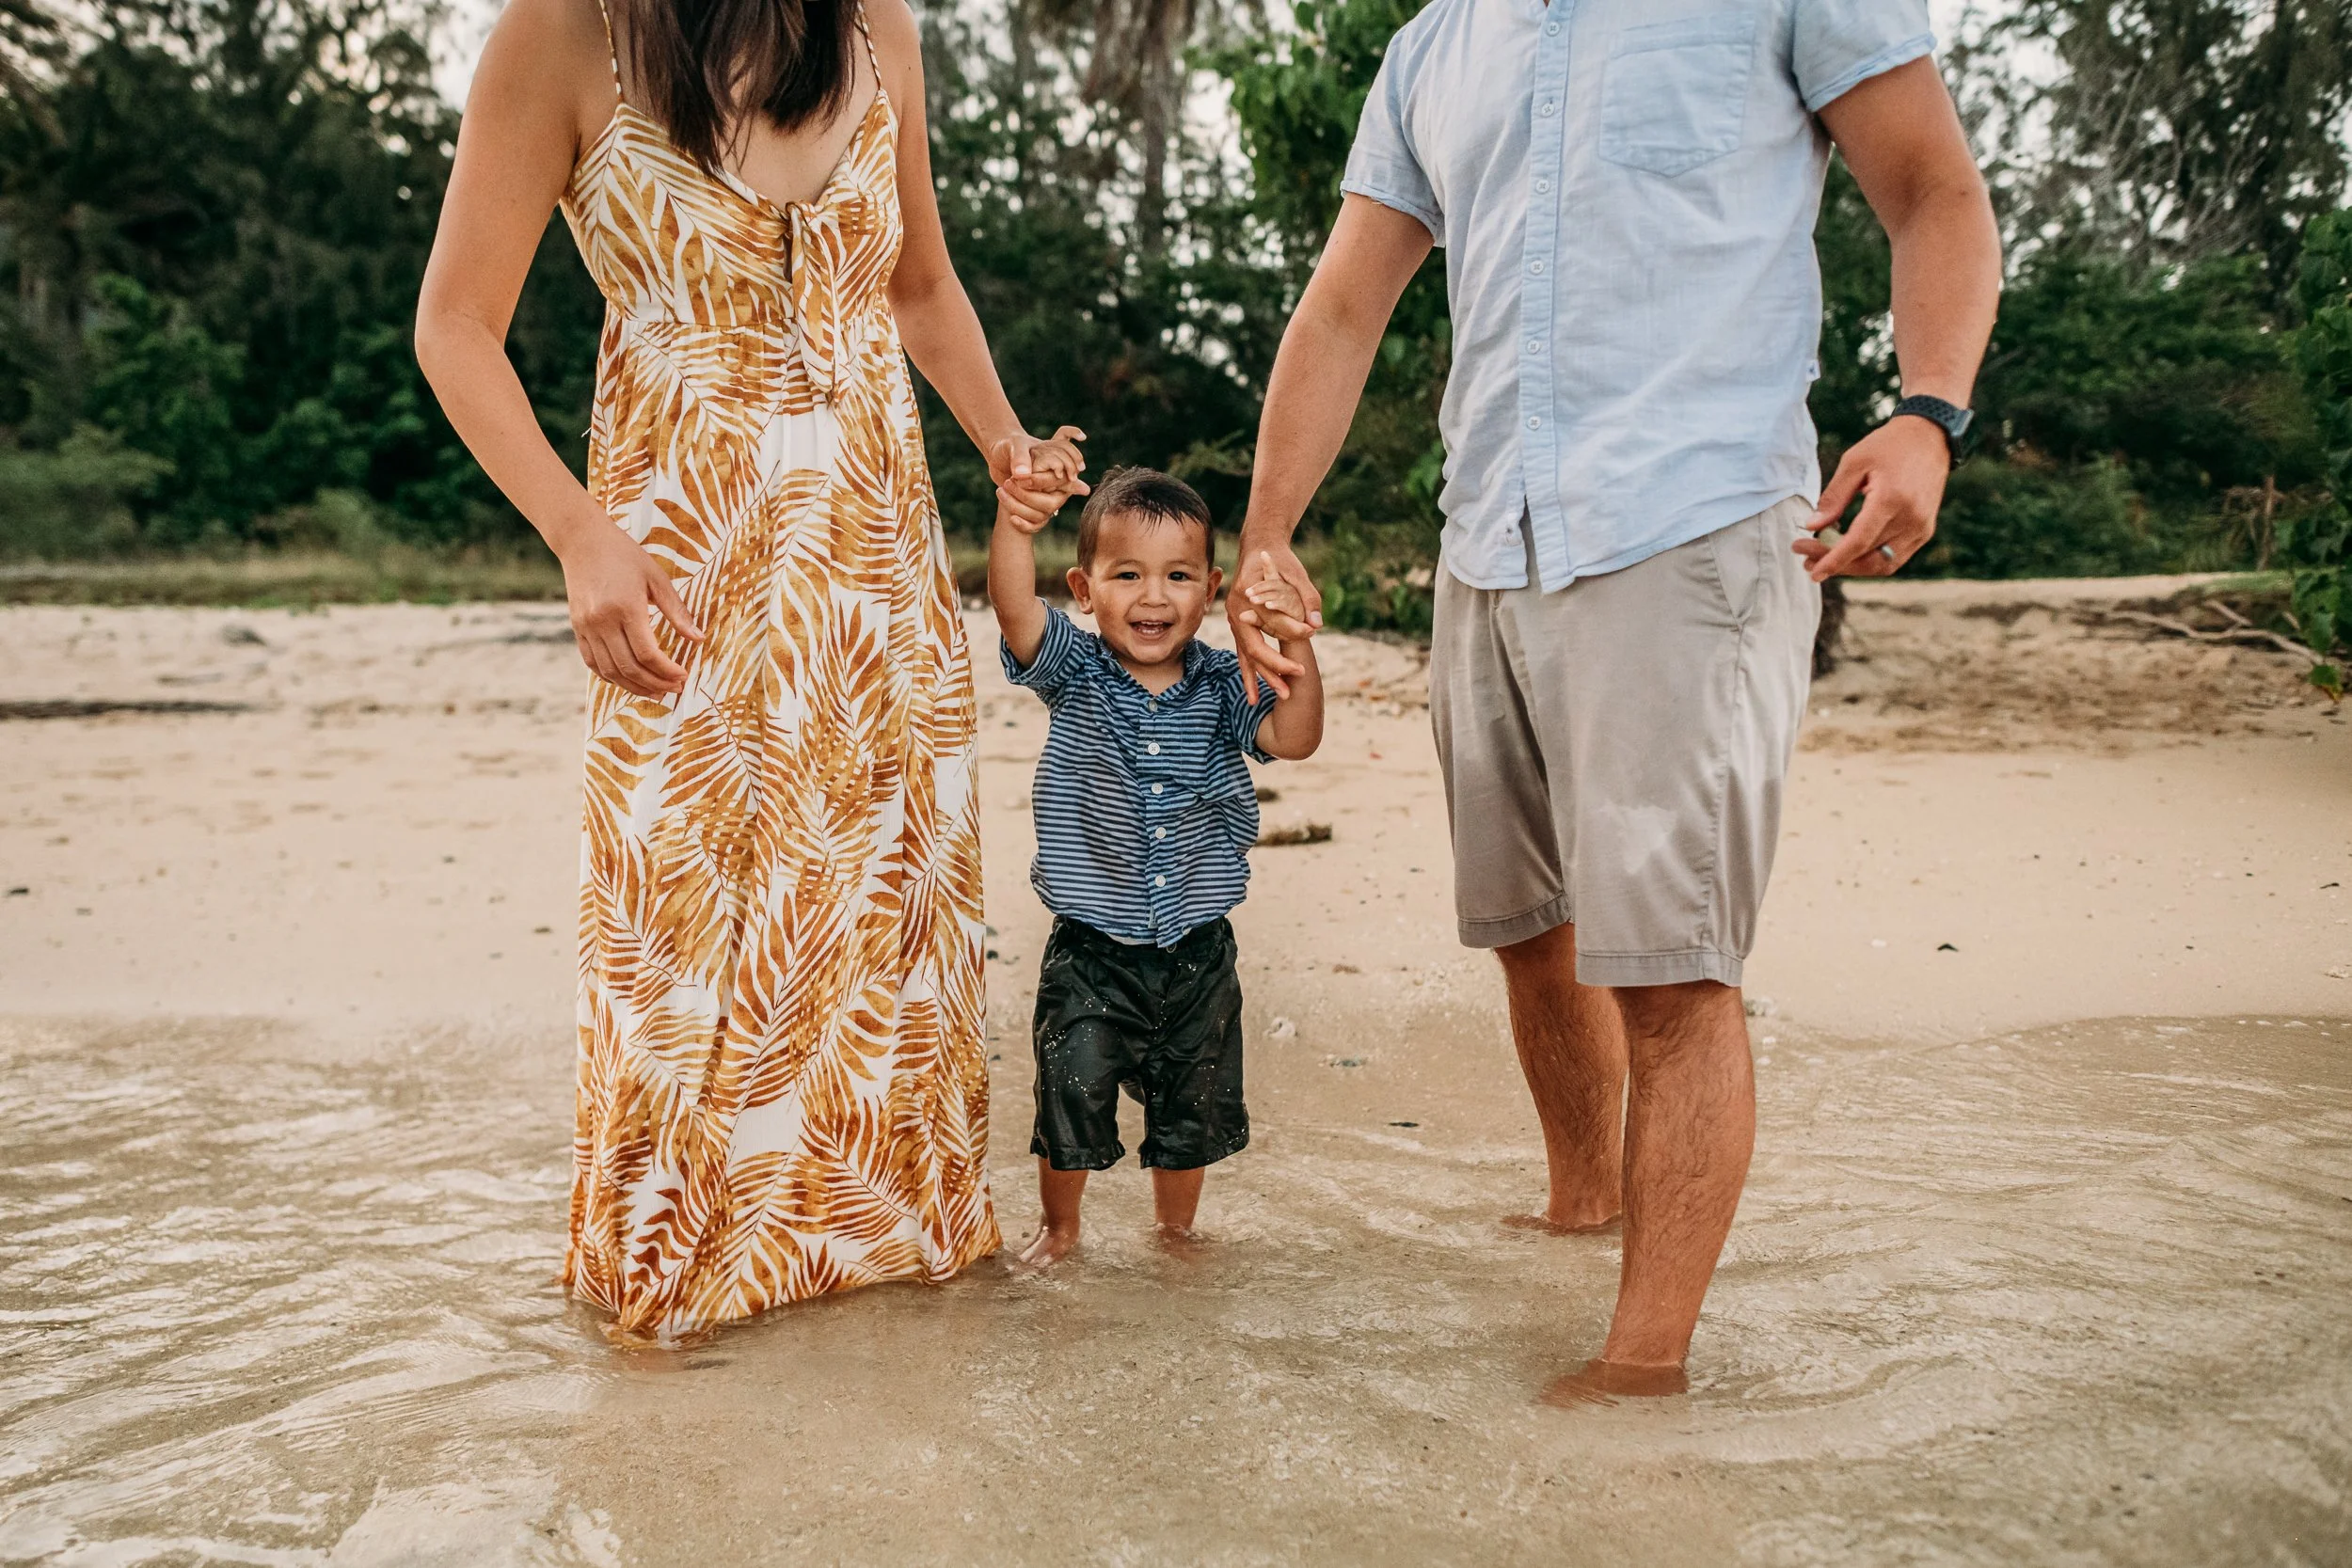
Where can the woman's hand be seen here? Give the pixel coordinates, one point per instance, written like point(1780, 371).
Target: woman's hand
point(1057, 459)
point(611, 584)
point(1034, 478)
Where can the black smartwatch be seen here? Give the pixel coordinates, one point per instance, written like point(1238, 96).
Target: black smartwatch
point(1957, 423)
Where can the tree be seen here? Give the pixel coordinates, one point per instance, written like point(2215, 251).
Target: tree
point(2320, 547)
point(215, 254)
point(2182, 130)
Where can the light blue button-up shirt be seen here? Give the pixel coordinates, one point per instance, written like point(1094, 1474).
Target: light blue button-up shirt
point(1626, 192)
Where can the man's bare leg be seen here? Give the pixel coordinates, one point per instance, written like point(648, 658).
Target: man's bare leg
point(1572, 1047)
point(1058, 1193)
point(1690, 1130)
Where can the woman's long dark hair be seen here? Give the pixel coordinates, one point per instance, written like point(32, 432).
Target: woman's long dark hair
point(706, 67)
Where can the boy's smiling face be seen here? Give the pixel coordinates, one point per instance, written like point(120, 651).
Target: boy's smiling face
point(1148, 586)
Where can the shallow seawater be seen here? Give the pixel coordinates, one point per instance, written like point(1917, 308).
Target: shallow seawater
point(2078, 1295)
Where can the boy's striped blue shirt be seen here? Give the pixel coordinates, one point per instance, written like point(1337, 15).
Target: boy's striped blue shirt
point(1145, 807)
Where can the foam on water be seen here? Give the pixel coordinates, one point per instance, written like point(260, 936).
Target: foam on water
point(2074, 1295)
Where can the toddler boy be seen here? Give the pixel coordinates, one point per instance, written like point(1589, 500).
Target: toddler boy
point(1145, 816)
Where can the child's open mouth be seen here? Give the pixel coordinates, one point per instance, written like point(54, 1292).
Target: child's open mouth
point(1151, 629)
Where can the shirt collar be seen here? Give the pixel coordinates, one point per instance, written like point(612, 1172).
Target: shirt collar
point(1196, 654)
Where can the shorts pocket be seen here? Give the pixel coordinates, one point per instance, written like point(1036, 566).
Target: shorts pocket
point(1675, 94)
point(1746, 556)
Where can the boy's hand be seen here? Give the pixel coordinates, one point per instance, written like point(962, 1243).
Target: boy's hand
point(1028, 502)
point(1276, 606)
point(1028, 511)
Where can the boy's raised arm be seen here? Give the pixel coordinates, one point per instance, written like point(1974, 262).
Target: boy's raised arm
point(1013, 584)
point(1294, 728)
point(1021, 514)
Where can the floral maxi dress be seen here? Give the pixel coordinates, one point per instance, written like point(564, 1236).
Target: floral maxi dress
point(782, 1083)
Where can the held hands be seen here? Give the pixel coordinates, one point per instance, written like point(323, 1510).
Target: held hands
point(1898, 469)
point(1276, 606)
point(1275, 601)
point(1034, 478)
point(612, 584)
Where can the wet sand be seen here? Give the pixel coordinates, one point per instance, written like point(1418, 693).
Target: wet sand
point(289, 1110)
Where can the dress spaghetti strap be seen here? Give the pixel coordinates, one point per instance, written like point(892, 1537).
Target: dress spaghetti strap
point(866, 33)
point(612, 50)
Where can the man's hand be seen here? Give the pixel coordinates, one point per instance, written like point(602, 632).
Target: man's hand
point(1260, 660)
point(1276, 606)
point(1898, 471)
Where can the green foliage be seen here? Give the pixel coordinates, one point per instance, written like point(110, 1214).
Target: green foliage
point(73, 502)
point(2319, 548)
point(2179, 131)
point(215, 215)
point(2041, 520)
point(213, 218)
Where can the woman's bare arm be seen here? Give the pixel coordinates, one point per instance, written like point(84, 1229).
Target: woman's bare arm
point(936, 321)
point(543, 74)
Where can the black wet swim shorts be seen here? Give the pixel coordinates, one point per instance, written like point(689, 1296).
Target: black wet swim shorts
point(1162, 1022)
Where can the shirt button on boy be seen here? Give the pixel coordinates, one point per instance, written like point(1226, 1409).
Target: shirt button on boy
point(1107, 818)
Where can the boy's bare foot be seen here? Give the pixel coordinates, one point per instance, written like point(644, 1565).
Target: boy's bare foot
point(1550, 1226)
point(1048, 1247)
point(1178, 1240)
point(1607, 1382)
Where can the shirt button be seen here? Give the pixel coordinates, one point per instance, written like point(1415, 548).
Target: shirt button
point(1535, 347)
point(1550, 107)
point(1534, 422)
point(1536, 268)
point(1152, 704)
point(1551, 29)
point(1159, 881)
point(1156, 789)
point(1159, 832)
point(1543, 187)
point(1153, 748)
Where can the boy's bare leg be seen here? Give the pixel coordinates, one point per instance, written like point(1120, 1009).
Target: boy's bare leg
point(1175, 1199)
point(1690, 1131)
point(1059, 1192)
point(1572, 1047)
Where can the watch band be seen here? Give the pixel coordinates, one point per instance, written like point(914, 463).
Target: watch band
point(1957, 423)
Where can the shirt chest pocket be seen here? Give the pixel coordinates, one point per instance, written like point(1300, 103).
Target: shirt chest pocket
point(1676, 93)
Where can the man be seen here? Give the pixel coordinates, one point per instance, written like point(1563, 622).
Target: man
point(1626, 192)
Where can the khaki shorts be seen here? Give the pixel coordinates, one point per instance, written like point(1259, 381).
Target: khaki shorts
point(1615, 753)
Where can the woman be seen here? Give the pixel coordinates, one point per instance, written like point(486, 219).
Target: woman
point(782, 1084)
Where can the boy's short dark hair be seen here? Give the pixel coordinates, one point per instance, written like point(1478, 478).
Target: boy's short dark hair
point(1149, 493)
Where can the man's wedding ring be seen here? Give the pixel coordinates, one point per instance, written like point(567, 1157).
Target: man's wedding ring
point(1887, 550)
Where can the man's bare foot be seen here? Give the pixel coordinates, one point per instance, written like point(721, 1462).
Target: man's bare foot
point(1048, 1247)
point(1551, 1227)
point(1607, 1382)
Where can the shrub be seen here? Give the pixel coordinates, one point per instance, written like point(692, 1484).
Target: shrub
point(73, 502)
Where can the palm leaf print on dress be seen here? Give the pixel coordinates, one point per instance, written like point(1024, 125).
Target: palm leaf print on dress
point(782, 1085)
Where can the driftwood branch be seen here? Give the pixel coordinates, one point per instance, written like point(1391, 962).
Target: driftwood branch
point(2241, 634)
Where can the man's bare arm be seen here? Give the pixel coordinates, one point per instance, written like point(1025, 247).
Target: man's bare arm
point(1902, 138)
point(1310, 398)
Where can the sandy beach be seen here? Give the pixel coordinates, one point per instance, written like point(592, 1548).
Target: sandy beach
point(2044, 1255)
